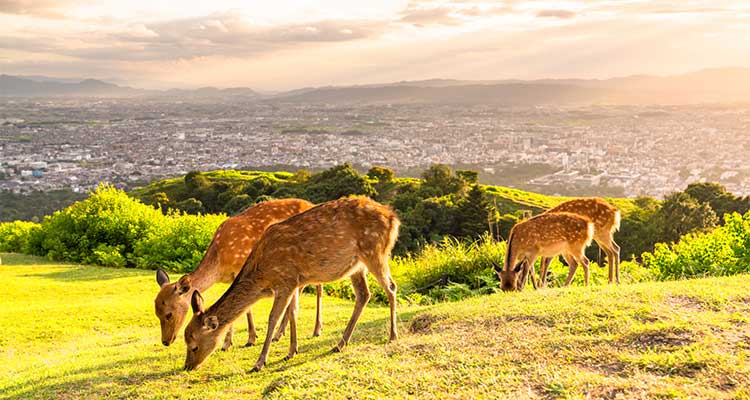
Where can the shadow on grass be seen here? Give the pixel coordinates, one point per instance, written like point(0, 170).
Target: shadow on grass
point(78, 273)
point(12, 259)
point(85, 387)
point(370, 333)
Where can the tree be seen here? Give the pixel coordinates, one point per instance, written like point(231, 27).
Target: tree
point(472, 213)
point(336, 182)
point(195, 181)
point(440, 177)
point(716, 195)
point(381, 174)
point(469, 177)
point(237, 204)
point(160, 200)
point(681, 214)
point(301, 176)
point(190, 206)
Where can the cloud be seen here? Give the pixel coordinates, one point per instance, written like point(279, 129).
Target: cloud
point(561, 14)
point(430, 16)
point(225, 34)
point(37, 8)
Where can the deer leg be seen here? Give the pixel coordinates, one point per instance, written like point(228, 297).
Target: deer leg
point(524, 277)
point(389, 285)
point(291, 311)
point(572, 266)
point(227, 339)
point(280, 303)
point(616, 256)
point(586, 275)
point(252, 335)
point(543, 268)
point(531, 261)
point(282, 327)
point(362, 296)
point(318, 315)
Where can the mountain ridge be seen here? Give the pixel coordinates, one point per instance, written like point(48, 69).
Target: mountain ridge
point(711, 85)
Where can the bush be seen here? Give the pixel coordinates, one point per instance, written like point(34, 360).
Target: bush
point(178, 243)
point(723, 251)
point(14, 236)
point(108, 217)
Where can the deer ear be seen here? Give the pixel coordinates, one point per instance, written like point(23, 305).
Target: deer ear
point(161, 277)
point(183, 285)
point(497, 267)
point(211, 323)
point(197, 302)
point(518, 266)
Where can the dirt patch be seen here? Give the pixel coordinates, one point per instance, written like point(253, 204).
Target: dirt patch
point(646, 317)
point(523, 318)
point(421, 349)
point(685, 302)
point(670, 338)
point(608, 393)
point(423, 323)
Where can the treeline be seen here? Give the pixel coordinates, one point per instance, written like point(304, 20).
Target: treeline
point(451, 227)
point(445, 203)
point(35, 205)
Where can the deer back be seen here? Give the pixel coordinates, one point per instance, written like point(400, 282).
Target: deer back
point(606, 217)
point(235, 238)
point(324, 243)
point(550, 233)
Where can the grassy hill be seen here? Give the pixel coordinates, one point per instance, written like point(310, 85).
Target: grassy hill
point(72, 331)
point(508, 199)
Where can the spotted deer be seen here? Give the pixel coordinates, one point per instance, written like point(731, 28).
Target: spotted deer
point(334, 240)
point(606, 219)
point(546, 235)
point(227, 252)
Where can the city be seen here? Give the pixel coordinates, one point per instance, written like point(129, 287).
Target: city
point(66, 143)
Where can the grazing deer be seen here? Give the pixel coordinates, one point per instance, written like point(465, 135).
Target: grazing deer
point(334, 240)
point(546, 235)
point(229, 248)
point(606, 219)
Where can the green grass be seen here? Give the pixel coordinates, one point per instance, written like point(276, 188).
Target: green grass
point(72, 331)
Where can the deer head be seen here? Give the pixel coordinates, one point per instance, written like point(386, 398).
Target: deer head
point(202, 334)
point(171, 305)
point(509, 278)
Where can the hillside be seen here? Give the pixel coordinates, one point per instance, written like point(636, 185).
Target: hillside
point(508, 199)
point(72, 331)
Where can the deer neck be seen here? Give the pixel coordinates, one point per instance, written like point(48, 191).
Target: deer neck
point(236, 300)
point(207, 272)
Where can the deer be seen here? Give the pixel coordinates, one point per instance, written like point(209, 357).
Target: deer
point(545, 235)
point(606, 219)
point(226, 253)
point(342, 238)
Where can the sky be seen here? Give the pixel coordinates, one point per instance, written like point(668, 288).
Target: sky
point(287, 44)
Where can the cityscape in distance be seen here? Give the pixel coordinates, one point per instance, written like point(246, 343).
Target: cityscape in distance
point(570, 137)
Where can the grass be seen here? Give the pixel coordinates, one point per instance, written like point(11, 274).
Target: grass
point(72, 331)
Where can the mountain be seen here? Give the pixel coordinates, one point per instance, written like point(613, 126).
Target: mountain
point(39, 86)
point(726, 85)
point(498, 94)
point(13, 86)
point(719, 85)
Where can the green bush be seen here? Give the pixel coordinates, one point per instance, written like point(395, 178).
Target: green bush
point(723, 251)
point(14, 236)
point(108, 217)
point(178, 242)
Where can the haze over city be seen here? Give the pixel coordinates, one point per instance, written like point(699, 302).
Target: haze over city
point(282, 45)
